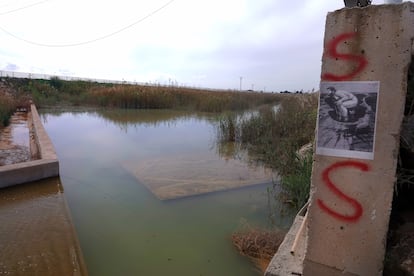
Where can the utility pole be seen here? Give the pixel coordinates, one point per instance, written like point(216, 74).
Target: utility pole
point(241, 80)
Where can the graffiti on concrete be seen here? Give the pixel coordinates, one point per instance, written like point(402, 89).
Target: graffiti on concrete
point(332, 52)
point(347, 119)
point(356, 206)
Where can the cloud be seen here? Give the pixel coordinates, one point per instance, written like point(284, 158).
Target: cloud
point(273, 44)
point(11, 67)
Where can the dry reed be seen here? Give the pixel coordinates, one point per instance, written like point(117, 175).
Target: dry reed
point(258, 245)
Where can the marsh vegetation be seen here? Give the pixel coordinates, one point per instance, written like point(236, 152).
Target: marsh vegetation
point(274, 137)
point(59, 92)
point(264, 128)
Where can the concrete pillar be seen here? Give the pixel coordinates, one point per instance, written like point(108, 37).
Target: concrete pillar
point(351, 195)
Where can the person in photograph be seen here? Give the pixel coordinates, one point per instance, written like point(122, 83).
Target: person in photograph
point(343, 101)
point(357, 3)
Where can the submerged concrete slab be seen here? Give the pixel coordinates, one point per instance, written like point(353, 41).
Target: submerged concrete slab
point(187, 175)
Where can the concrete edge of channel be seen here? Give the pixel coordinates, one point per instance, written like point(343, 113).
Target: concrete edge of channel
point(288, 260)
point(45, 167)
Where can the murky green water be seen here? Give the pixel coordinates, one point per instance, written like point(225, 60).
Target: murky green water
point(122, 227)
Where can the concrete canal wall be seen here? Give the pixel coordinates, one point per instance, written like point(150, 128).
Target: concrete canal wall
point(47, 164)
point(37, 236)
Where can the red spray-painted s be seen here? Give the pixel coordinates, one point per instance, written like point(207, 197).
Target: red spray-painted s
point(357, 207)
point(333, 53)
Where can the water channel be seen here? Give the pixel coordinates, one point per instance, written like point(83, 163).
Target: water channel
point(123, 226)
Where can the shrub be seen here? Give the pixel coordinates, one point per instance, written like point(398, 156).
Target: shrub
point(7, 107)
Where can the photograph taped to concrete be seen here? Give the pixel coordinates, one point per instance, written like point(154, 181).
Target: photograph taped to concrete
point(347, 119)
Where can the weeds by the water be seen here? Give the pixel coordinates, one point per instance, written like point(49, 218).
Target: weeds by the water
point(295, 186)
point(227, 128)
point(273, 138)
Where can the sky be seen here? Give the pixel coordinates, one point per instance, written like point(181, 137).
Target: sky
point(264, 45)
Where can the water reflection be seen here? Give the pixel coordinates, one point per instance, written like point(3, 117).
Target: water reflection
point(123, 228)
point(127, 118)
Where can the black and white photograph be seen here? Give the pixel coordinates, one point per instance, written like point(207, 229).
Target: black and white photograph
point(347, 119)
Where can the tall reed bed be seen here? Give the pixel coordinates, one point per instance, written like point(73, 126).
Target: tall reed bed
point(132, 96)
point(57, 91)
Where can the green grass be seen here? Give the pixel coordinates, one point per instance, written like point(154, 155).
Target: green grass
point(296, 184)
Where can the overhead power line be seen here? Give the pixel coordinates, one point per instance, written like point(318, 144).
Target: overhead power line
point(91, 40)
point(24, 7)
